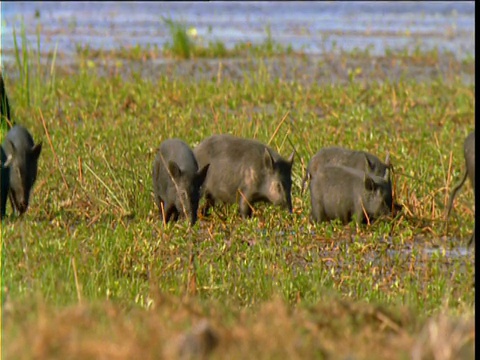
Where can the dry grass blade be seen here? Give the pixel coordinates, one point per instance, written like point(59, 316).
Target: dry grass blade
point(53, 150)
point(120, 206)
point(278, 127)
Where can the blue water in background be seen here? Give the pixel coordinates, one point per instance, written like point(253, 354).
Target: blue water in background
point(313, 27)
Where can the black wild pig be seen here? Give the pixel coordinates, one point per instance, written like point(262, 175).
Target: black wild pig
point(23, 165)
point(5, 181)
point(177, 180)
point(360, 160)
point(341, 192)
point(244, 171)
point(469, 153)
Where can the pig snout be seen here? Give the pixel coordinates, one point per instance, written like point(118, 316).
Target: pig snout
point(278, 196)
point(22, 207)
point(21, 203)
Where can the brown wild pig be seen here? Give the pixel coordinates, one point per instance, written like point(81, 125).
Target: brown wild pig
point(341, 192)
point(244, 171)
point(24, 155)
point(177, 180)
point(334, 155)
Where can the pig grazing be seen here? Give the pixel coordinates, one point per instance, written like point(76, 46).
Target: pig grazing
point(177, 180)
point(360, 160)
point(469, 153)
point(341, 192)
point(23, 165)
point(244, 171)
point(4, 180)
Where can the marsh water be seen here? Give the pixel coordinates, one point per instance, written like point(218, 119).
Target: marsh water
point(312, 27)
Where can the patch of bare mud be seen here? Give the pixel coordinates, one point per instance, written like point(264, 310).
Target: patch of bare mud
point(302, 69)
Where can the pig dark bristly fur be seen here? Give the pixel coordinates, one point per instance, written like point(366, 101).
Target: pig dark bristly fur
point(244, 171)
point(177, 180)
point(23, 165)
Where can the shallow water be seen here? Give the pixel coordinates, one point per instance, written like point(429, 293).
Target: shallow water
point(315, 27)
point(419, 247)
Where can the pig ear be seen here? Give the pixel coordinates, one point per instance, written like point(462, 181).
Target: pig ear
point(202, 174)
point(36, 150)
point(12, 146)
point(8, 161)
point(269, 162)
point(387, 159)
point(368, 163)
point(174, 170)
point(387, 174)
point(291, 157)
point(369, 183)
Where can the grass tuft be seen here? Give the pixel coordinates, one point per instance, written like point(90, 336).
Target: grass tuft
point(181, 44)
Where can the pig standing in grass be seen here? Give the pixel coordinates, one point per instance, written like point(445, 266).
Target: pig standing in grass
point(177, 180)
point(341, 192)
point(469, 153)
point(5, 181)
point(244, 171)
point(360, 160)
point(23, 165)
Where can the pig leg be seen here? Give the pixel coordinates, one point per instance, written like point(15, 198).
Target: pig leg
point(13, 202)
point(358, 215)
point(471, 241)
point(315, 214)
point(244, 207)
point(454, 192)
point(175, 214)
point(3, 205)
point(209, 202)
point(318, 212)
point(169, 211)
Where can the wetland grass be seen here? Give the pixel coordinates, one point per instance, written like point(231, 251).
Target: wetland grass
point(91, 272)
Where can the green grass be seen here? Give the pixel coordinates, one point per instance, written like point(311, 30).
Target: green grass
point(184, 46)
point(92, 232)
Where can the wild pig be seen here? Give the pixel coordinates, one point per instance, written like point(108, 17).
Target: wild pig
point(469, 153)
point(244, 171)
point(177, 180)
point(5, 181)
point(360, 160)
point(341, 192)
point(23, 165)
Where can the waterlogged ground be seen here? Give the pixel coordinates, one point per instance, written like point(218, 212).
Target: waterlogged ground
point(91, 272)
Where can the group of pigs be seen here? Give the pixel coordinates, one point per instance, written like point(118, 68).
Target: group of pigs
point(344, 184)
